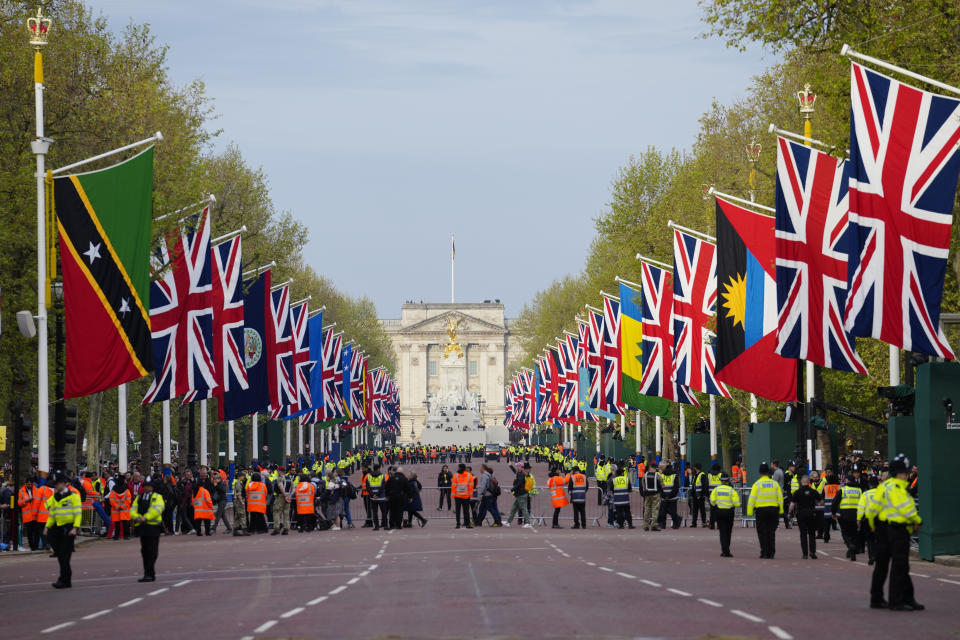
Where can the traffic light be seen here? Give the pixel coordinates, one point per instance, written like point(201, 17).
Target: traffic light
point(70, 425)
point(26, 431)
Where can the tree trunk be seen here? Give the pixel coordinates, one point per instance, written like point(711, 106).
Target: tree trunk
point(147, 439)
point(93, 432)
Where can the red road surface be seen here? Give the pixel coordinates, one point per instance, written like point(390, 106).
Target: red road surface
point(438, 582)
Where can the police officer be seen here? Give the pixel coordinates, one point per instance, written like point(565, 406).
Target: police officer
point(669, 497)
point(724, 500)
point(713, 481)
point(651, 486)
point(64, 507)
point(766, 500)
point(578, 487)
point(865, 535)
point(845, 511)
point(146, 514)
point(621, 497)
point(892, 513)
point(790, 484)
point(602, 473)
point(698, 497)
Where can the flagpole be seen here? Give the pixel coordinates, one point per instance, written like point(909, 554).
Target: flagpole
point(231, 444)
point(850, 53)
point(203, 431)
point(133, 145)
point(299, 438)
point(453, 258)
point(122, 428)
point(658, 435)
point(656, 263)
point(39, 27)
point(692, 232)
point(713, 427)
point(750, 203)
point(754, 151)
point(165, 435)
point(254, 428)
point(807, 100)
point(683, 437)
point(286, 438)
point(637, 446)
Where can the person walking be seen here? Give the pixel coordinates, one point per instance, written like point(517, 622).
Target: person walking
point(219, 495)
point(866, 536)
point(520, 495)
point(415, 506)
point(378, 498)
point(64, 508)
point(845, 511)
point(489, 490)
point(766, 500)
point(444, 482)
point(651, 489)
point(202, 505)
point(146, 513)
point(803, 504)
point(332, 500)
point(240, 504)
point(699, 492)
point(399, 497)
point(724, 500)
point(579, 486)
point(29, 509)
point(120, 501)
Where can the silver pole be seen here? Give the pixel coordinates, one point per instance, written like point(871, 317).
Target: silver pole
point(165, 435)
point(40, 146)
point(255, 439)
point(713, 427)
point(203, 431)
point(122, 428)
point(894, 366)
point(231, 443)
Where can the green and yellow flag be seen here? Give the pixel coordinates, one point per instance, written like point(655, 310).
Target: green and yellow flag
point(104, 219)
point(631, 335)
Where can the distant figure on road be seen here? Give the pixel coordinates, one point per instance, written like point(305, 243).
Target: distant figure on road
point(724, 499)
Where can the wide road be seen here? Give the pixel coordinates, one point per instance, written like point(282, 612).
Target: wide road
point(438, 582)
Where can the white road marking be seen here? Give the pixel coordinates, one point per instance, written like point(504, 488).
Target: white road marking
point(338, 590)
point(372, 567)
point(183, 582)
point(291, 613)
point(918, 575)
point(158, 591)
point(316, 601)
point(780, 633)
point(651, 583)
point(592, 564)
point(606, 569)
point(680, 593)
point(57, 627)
point(97, 614)
point(363, 574)
point(950, 581)
point(745, 615)
point(710, 602)
point(378, 556)
point(625, 575)
point(266, 625)
point(353, 580)
point(130, 602)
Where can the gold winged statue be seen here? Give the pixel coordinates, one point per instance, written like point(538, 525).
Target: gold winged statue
point(452, 345)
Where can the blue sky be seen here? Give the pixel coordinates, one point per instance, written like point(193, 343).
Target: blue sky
point(387, 125)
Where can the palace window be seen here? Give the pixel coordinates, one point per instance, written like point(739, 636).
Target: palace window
point(473, 367)
point(433, 368)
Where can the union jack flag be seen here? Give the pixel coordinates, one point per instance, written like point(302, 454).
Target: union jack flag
point(594, 359)
point(301, 364)
point(611, 356)
point(657, 341)
point(812, 240)
point(282, 392)
point(358, 369)
point(332, 376)
point(528, 386)
point(181, 314)
point(573, 365)
point(694, 306)
point(904, 165)
point(586, 398)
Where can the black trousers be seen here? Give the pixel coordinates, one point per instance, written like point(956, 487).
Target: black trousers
point(368, 509)
point(397, 509)
point(444, 494)
point(63, 547)
point(698, 506)
point(202, 523)
point(668, 507)
point(580, 515)
point(848, 530)
point(901, 586)
point(881, 564)
point(786, 511)
point(381, 514)
point(724, 518)
point(625, 517)
point(767, 519)
point(258, 522)
point(463, 504)
point(32, 531)
point(807, 522)
point(556, 516)
point(308, 521)
point(149, 550)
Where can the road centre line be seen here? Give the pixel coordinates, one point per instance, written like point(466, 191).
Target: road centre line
point(129, 602)
point(626, 575)
point(317, 600)
point(158, 591)
point(353, 580)
point(710, 602)
point(337, 590)
point(408, 553)
point(292, 612)
point(680, 593)
point(266, 625)
point(745, 615)
point(651, 583)
point(606, 569)
point(102, 612)
point(950, 581)
point(780, 633)
point(57, 627)
point(182, 582)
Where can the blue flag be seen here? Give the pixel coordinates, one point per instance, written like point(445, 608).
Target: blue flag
point(315, 337)
point(346, 360)
point(238, 403)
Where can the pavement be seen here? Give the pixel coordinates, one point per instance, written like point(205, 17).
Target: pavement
point(438, 583)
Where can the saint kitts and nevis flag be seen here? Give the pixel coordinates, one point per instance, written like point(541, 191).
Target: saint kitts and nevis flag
point(631, 338)
point(104, 220)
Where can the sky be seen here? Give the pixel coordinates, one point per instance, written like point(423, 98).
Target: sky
point(387, 125)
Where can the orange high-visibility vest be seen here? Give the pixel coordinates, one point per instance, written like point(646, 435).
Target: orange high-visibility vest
point(91, 494)
point(203, 505)
point(306, 493)
point(120, 505)
point(363, 483)
point(40, 497)
point(558, 492)
point(830, 490)
point(256, 497)
point(27, 503)
point(462, 486)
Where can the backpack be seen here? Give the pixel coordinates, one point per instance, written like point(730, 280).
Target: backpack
point(494, 487)
point(323, 524)
point(351, 491)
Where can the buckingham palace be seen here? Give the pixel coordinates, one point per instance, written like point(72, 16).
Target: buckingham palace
point(423, 335)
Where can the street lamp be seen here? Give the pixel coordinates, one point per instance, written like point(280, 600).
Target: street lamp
point(807, 99)
point(753, 156)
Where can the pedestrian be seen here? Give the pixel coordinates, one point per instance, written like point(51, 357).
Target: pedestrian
point(790, 484)
point(167, 491)
point(713, 481)
point(378, 498)
point(699, 493)
point(520, 496)
point(415, 506)
point(399, 497)
point(766, 499)
point(186, 489)
point(831, 489)
point(620, 487)
point(866, 536)
point(219, 495)
point(651, 490)
point(462, 488)
point(578, 486)
point(669, 497)
point(444, 482)
point(146, 513)
point(558, 494)
point(332, 500)
point(257, 497)
point(29, 508)
point(64, 508)
point(845, 511)
point(306, 494)
point(120, 502)
point(349, 492)
point(803, 503)
point(489, 490)
point(240, 503)
point(282, 499)
point(892, 514)
point(724, 500)
point(202, 505)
